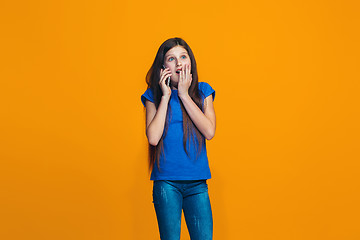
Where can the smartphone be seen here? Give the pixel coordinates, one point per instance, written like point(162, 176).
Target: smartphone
point(168, 80)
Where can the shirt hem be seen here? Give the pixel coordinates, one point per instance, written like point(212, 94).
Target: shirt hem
point(180, 178)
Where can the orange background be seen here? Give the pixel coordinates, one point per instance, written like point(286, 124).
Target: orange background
point(285, 156)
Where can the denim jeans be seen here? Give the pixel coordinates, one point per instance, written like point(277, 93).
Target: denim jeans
point(171, 197)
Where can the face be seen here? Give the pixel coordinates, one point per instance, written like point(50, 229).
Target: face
point(176, 59)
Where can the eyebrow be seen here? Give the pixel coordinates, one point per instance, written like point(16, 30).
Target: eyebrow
point(180, 53)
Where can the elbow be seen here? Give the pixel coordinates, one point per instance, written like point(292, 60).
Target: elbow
point(210, 134)
point(152, 140)
point(209, 137)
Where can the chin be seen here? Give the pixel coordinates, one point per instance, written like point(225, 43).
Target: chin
point(175, 82)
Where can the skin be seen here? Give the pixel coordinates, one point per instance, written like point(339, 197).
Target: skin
point(178, 58)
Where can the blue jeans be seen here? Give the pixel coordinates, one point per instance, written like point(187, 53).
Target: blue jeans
point(171, 197)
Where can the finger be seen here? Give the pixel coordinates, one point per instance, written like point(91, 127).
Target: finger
point(162, 77)
point(164, 71)
point(169, 78)
point(185, 73)
point(165, 76)
point(188, 71)
point(182, 75)
point(168, 75)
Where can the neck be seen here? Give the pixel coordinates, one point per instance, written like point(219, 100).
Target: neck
point(173, 86)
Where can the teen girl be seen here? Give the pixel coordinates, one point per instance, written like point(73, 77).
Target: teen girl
point(179, 117)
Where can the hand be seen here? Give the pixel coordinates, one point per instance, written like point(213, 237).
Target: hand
point(165, 74)
point(185, 80)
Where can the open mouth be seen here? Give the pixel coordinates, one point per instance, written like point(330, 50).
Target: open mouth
point(178, 71)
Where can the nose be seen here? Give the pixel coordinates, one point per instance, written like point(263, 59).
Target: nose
point(178, 63)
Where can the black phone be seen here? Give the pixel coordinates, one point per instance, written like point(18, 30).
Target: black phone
point(168, 80)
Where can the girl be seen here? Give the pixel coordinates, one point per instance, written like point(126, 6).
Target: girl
point(179, 116)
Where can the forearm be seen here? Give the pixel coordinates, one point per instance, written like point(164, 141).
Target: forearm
point(155, 129)
point(204, 124)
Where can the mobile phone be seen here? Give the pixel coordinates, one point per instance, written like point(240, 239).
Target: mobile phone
point(168, 80)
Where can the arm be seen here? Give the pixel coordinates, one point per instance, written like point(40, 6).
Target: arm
point(204, 121)
point(155, 120)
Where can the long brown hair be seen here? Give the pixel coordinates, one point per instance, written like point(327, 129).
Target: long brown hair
point(152, 80)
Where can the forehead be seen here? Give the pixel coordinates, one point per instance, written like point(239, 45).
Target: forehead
point(176, 50)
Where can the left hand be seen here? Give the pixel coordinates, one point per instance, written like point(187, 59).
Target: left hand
point(185, 80)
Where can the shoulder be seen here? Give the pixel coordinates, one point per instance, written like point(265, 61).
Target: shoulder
point(148, 95)
point(206, 89)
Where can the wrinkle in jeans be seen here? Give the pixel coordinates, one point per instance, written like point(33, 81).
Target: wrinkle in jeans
point(170, 198)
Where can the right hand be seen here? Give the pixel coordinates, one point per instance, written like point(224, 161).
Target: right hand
point(164, 75)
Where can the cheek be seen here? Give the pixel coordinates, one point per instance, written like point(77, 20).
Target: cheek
point(172, 66)
point(187, 62)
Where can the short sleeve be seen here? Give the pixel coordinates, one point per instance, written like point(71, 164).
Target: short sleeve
point(206, 89)
point(148, 95)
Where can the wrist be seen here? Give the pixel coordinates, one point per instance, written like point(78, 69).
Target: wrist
point(184, 96)
point(165, 97)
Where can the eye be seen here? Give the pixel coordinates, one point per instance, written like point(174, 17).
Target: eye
point(170, 59)
point(183, 56)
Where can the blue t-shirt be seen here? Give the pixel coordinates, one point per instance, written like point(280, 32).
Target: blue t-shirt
point(177, 165)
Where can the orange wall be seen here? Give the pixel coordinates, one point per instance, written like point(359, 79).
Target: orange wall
point(73, 150)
